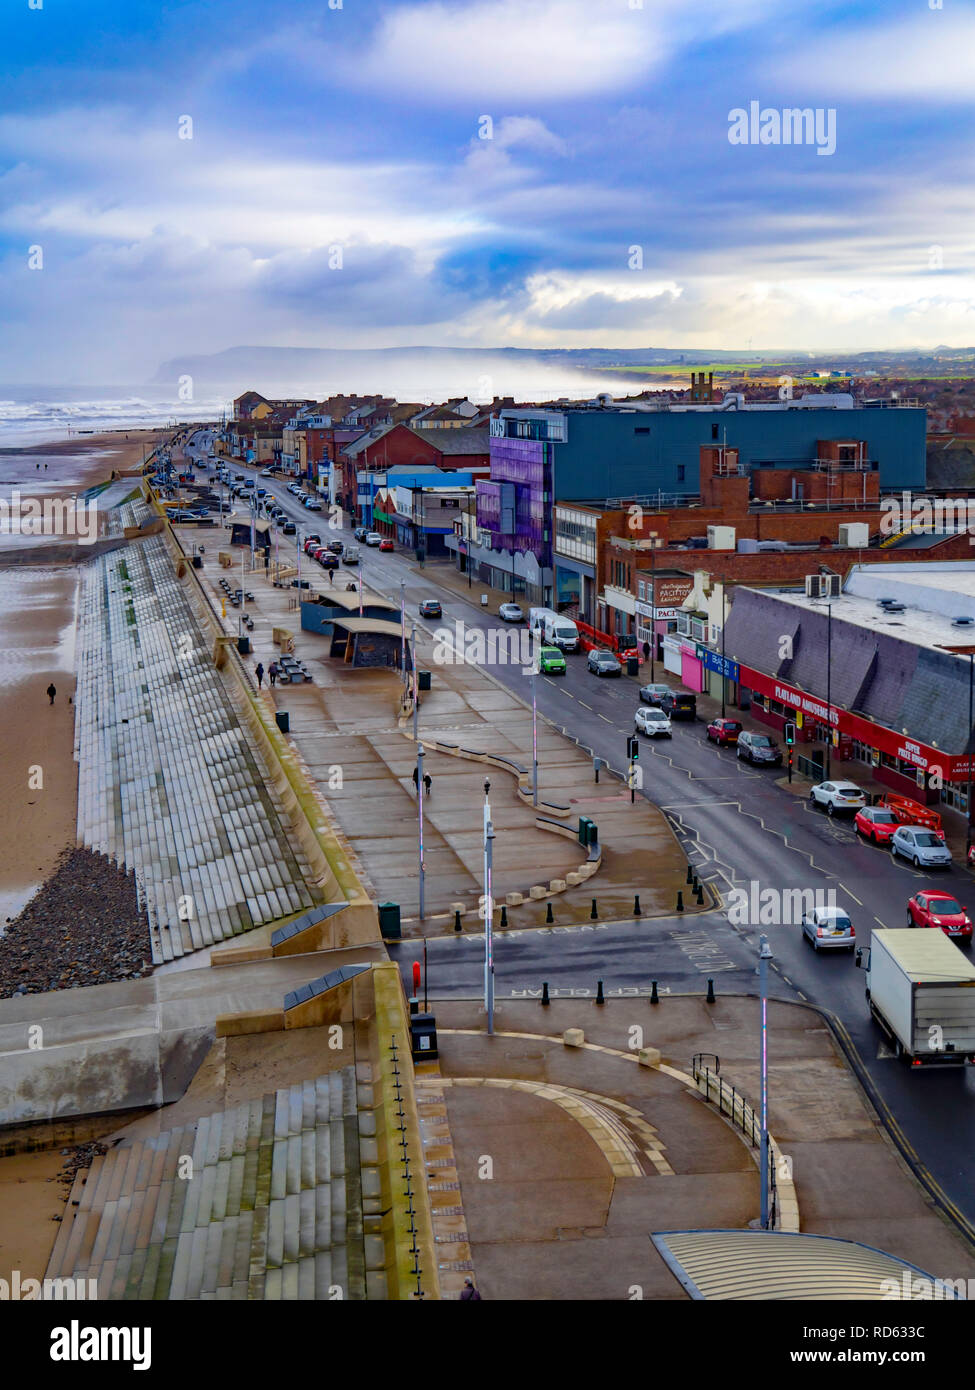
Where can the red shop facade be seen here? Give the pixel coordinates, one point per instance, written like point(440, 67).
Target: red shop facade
point(905, 765)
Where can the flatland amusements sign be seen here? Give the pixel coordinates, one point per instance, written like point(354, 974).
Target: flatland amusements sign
point(922, 756)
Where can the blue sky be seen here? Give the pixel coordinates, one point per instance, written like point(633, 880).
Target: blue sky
point(360, 127)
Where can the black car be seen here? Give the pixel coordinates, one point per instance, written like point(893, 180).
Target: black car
point(430, 608)
point(289, 529)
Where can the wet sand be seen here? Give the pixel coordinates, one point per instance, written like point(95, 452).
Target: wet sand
point(29, 1199)
point(37, 631)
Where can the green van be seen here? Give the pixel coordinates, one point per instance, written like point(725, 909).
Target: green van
point(551, 662)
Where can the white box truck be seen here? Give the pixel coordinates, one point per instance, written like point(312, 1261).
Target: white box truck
point(553, 629)
point(921, 991)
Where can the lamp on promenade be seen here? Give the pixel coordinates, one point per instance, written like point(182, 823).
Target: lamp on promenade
point(488, 913)
point(968, 816)
point(419, 807)
point(764, 956)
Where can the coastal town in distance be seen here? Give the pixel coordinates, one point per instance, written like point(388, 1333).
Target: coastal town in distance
point(487, 677)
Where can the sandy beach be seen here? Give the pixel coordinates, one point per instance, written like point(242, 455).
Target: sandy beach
point(38, 777)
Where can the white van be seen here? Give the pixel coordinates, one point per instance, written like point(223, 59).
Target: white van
point(553, 629)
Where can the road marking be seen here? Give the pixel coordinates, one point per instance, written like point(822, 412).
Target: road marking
point(849, 894)
point(882, 924)
point(583, 703)
point(608, 721)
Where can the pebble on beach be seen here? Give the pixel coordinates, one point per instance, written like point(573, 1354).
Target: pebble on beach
point(84, 926)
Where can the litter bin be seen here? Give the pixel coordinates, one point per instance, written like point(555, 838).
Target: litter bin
point(584, 827)
point(423, 1037)
point(423, 680)
point(632, 665)
point(244, 645)
point(283, 721)
point(197, 562)
point(389, 927)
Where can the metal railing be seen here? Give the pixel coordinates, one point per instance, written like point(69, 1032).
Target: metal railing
point(807, 768)
point(732, 1103)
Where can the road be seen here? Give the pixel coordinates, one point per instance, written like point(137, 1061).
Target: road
point(738, 828)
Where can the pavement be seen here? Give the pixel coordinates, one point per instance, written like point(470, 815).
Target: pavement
point(347, 729)
point(555, 1164)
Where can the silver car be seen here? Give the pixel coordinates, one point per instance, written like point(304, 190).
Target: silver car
point(652, 722)
point(511, 613)
point(921, 846)
point(829, 928)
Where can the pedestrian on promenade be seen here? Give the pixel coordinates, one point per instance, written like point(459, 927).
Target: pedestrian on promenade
point(469, 1293)
point(259, 673)
point(416, 779)
point(51, 692)
point(427, 783)
point(272, 672)
point(646, 651)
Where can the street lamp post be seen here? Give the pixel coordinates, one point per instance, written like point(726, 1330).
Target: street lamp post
point(764, 956)
point(402, 627)
point(416, 690)
point(488, 913)
point(534, 737)
point(968, 817)
point(653, 607)
point(419, 804)
point(360, 590)
point(724, 619)
point(829, 686)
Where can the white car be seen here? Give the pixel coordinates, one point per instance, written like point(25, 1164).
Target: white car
point(313, 504)
point(921, 846)
point(267, 472)
point(829, 928)
point(838, 796)
point(511, 613)
point(652, 721)
point(374, 538)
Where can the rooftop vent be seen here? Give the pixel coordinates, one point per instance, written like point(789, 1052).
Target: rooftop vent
point(894, 608)
point(963, 622)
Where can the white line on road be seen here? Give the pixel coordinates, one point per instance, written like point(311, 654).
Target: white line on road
point(582, 703)
point(849, 894)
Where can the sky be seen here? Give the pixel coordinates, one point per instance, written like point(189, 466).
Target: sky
point(190, 176)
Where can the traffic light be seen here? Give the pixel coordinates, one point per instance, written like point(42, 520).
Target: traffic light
point(633, 748)
point(790, 734)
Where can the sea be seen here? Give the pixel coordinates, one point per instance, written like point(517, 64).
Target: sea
point(44, 415)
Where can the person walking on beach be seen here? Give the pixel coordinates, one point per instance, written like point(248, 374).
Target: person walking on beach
point(52, 690)
point(259, 673)
point(272, 672)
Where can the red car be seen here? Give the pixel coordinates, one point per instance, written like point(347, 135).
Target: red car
point(724, 731)
point(314, 551)
point(876, 823)
point(385, 544)
point(940, 910)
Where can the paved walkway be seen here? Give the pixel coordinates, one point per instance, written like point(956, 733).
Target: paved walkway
point(562, 1161)
point(345, 726)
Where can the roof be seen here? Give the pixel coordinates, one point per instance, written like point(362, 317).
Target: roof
point(927, 956)
point(353, 449)
point(780, 1266)
point(460, 440)
point(380, 625)
point(344, 598)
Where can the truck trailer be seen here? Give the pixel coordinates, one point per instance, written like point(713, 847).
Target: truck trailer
point(921, 991)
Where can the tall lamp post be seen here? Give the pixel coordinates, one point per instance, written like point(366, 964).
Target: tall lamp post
point(724, 619)
point(968, 816)
point(829, 686)
point(416, 689)
point(402, 627)
point(419, 805)
point(764, 956)
point(534, 736)
point(488, 913)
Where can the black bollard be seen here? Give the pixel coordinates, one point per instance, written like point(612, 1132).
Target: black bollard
point(697, 883)
point(710, 998)
point(654, 998)
point(600, 999)
point(545, 998)
point(457, 924)
point(593, 915)
point(690, 875)
point(504, 914)
point(700, 893)
point(680, 901)
point(637, 912)
point(549, 917)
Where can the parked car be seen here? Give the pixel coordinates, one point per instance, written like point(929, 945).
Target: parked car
point(829, 928)
point(875, 823)
point(724, 731)
point(603, 663)
point(327, 560)
point(350, 555)
point(838, 796)
point(551, 661)
point(289, 529)
point(511, 613)
point(385, 544)
point(940, 910)
point(335, 546)
point(430, 608)
point(651, 720)
point(654, 694)
point(758, 748)
point(316, 551)
point(313, 504)
point(921, 846)
point(360, 533)
point(267, 472)
point(239, 478)
point(373, 538)
point(313, 538)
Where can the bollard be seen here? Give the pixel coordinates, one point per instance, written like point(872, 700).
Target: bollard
point(654, 998)
point(504, 914)
point(593, 915)
point(600, 998)
point(637, 912)
point(690, 875)
point(710, 998)
point(700, 894)
point(697, 883)
point(549, 916)
point(457, 925)
point(680, 901)
point(545, 998)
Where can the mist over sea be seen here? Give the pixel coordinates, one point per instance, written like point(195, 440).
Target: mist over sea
point(38, 415)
